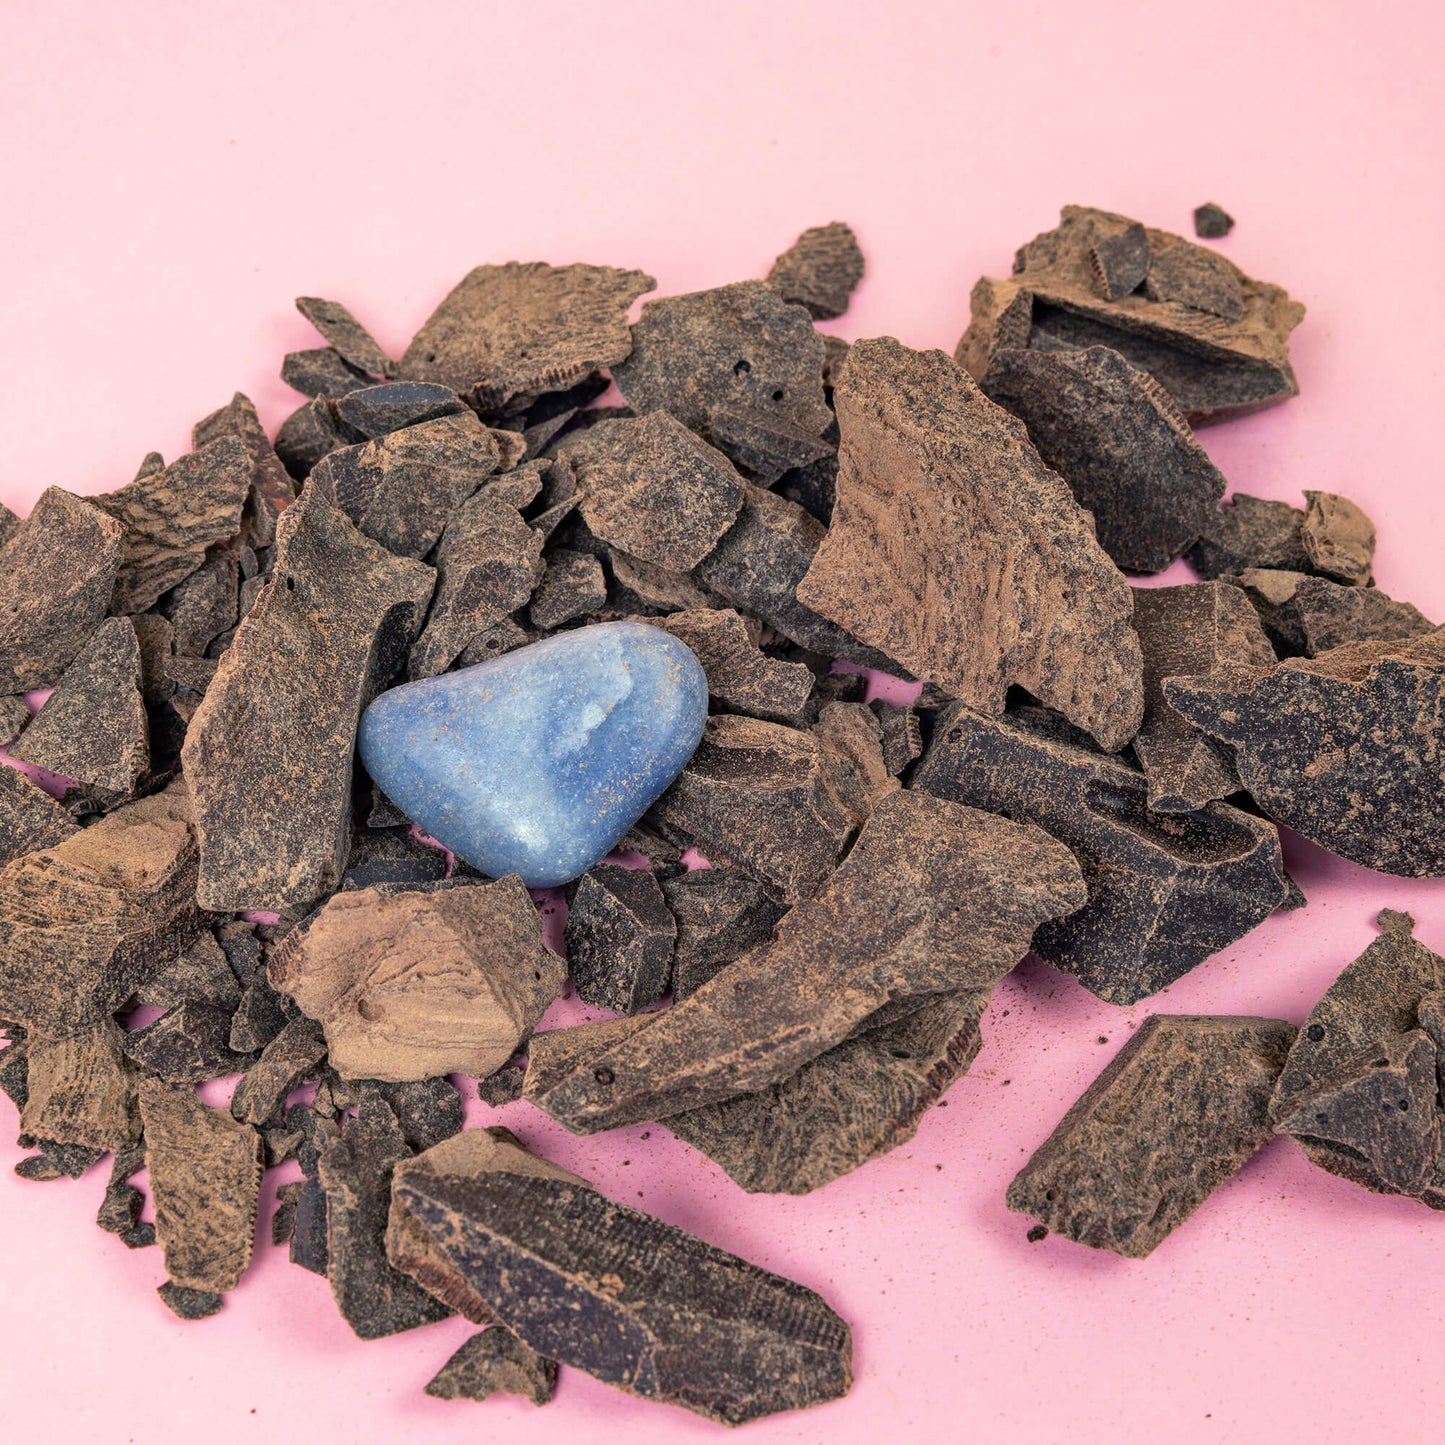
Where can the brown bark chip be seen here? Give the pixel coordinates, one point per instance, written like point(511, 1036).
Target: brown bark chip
point(408, 985)
point(171, 517)
point(850, 1105)
point(81, 1089)
point(573, 585)
point(205, 605)
point(1165, 890)
point(819, 270)
point(740, 367)
point(293, 1055)
point(1339, 539)
point(402, 489)
point(190, 1043)
point(1119, 260)
point(1179, 1110)
point(902, 735)
point(14, 715)
point(956, 551)
point(1305, 616)
point(30, 819)
point(1212, 221)
point(619, 938)
point(93, 728)
point(1216, 340)
point(321, 372)
point(1359, 1054)
point(1186, 631)
point(268, 754)
point(653, 489)
point(934, 898)
point(57, 573)
point(1251, 532)
point(84, 923)
point(721, 913)
point(308, 434)
point(373, 411)
point(205, 1173)
point(637, 1303)
point(355, 1172)
point(190, 1304)
point(512, 331)
point(494, 1362)
point(1345, 748)
point(1117, 438)
point(271, 490)
point(350, 339)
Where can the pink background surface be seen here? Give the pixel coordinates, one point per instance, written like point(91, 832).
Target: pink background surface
point(174, 174)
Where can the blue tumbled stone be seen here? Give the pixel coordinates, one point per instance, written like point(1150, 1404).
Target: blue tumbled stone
point(538, 762)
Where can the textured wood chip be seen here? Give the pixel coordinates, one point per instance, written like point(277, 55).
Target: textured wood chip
point(188, 1044)
point(293, 1055)
point(1345, 748)
point(1119, 260)
point(956, 551)
point(271, 490)
point(572, 586)
point(202, 971)
point(321, 372)
point(205, 1172)
point(635, 1302)
point(819, 270)
point(934, 898)
point(268, 754)
point(1215, 365)
point(1212, 221)
point(81, 1089)
point(30, 819)
point(619, 938)
point(494, 1362)
point(412, 984)
point(190, 1304)
point(1117, 438)
point(206, 604)
point(721, 913)
point(1189, 630)
point(511, 331)
point(1339, 539)
point(350, 339)
point(1305, 616)
point(1251, 532)
point(57, 573)
point(373, 411)
point(901, 734)
point(1180, 1109)
point(308, 434)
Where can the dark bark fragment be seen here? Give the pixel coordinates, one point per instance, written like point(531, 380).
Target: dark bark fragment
point(1251, 532)
point(80, 1090)
point(293, 1055)
point(721, 914)
point(308, 434)
point(1305, 616)
point(491, 1363)
point(373, 411)
point(190, 1043)
point(1197, 278)
point(1179, 1110)
point(30, 819)
point(619, 938)
point(1119, 260)
point(321, 372)
point(352, 341)
point(205, 605)
point(381, 856)
point(572, 586)
point(902, 735)
point(190, 1304)
point(819, 270)
point(56, 1161)
point(271, 490)
point(1212, 221)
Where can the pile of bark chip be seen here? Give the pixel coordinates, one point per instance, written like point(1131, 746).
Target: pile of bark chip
point(1088, 772)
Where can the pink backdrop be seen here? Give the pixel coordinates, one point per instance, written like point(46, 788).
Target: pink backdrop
point(174, 174)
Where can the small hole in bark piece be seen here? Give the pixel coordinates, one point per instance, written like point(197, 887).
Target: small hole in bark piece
point(1403, 1105)
point(493, 643)
point(290, 584)
point(742, 368)
point(1315, 1033)
point(1322, 1118)
point(778, 394)
point(1380, 1064)
point(603, 1076)
point(368, 1010)
point(954, 734)
point(900, 1053)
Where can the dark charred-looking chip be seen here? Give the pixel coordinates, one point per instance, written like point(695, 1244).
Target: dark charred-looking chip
point(1117, 438)
point(1165, 890)
point(93, 728)
point(737, 365)
point(1345, 748)
point(57, 1161)
point(494, 1362)
point(721, 913)
point(572, 586)
point(268, 754)
point(939, 488)
point(1180, 1109)
point(288, 1059)
point(57, 574)
point(513, 331)
point(352, 341)
point(1196, 277)
point(620, 938)
point(271, 490)
point(933, 898)
point(321, 372)
point(391, 856)
point(202, 971)
point(635, 1302)
point(205, 605)
point(819, 270)
point(1251, 532)
point(14, 715)
point(1305, 616)
point(902, 735)
point(428, 1110)
point(190, 1304)
point(30, 819)
point(1119, 260)
point(503, 1087)
point(1212, 221)
point(308, 434)
point(1339, 539)
point(373, 411)
point(205, 1173)
point(188, 1044)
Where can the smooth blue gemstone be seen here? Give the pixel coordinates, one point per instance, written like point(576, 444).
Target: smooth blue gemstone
point(539, 761)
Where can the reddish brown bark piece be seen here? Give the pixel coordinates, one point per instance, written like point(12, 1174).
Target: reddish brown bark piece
point(1166, 891)
point(494, 1362)
point(1117, 438)
point(1339, 539)
point(508, 332)
point(619, 938)
point(30, 819)
point(635, 1302)
point(171, 517)
point(1214, 366)
point(467, 1155)
point(770, 799)
point(93, 727)
point(187, 1045)
point(84, 923)
point(205, 1173)
point(956, 551)
point(1185, 631)
point(1120, 260)
point(652, 488)
point(1179, 1110)
point(1251, 532)
point(1305, 616)
point(721, 913)
point(408, 985)
point(1333, 1092)
point(290, 1057)
point(402, 489)
point(573, 585)
point(350, 339)
point(934, 898)
point(1212, 221)
point(271, 490)
point(739, 675)
point(81, 1090)
point(819, 270)
point(848, 1106)
point(355, 1176)
point(488, 562)
point(57, 573)
point(1345, 748)
point(740, 367)
point(268, 754)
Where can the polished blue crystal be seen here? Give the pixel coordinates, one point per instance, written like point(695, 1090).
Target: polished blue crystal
point(539, 761)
